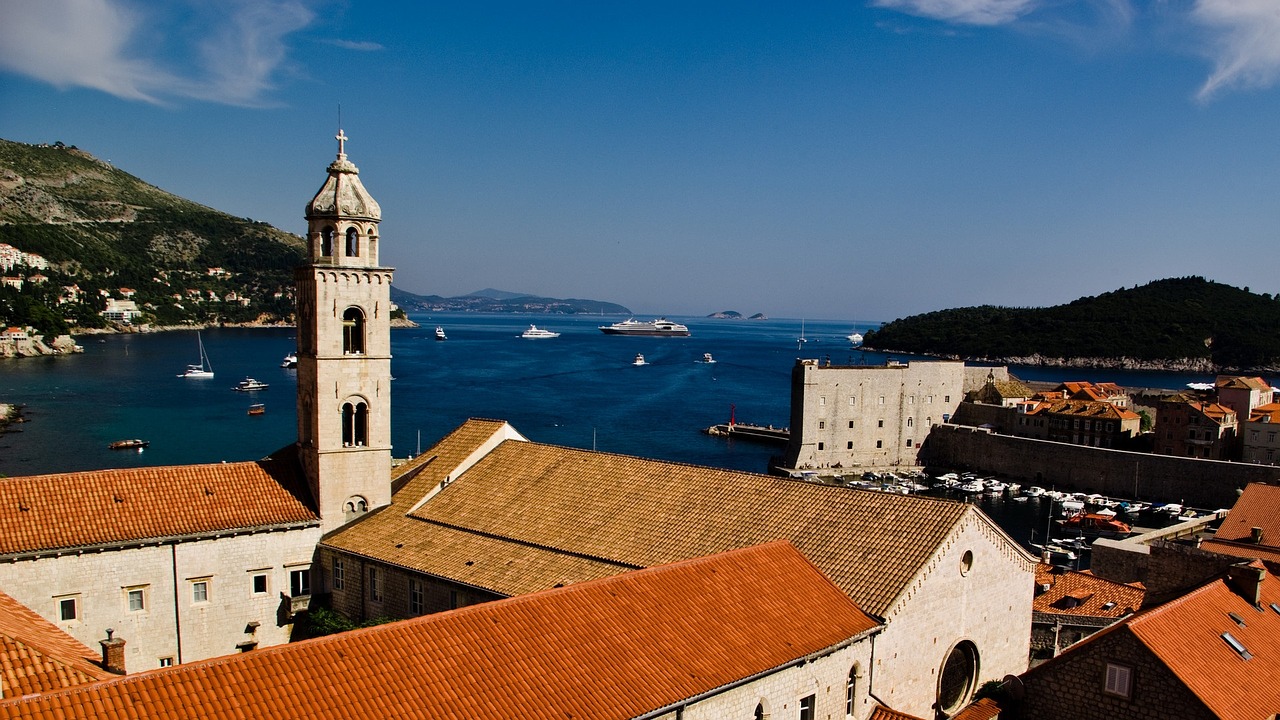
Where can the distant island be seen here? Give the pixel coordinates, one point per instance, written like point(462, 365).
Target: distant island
point(735, 315)
point(1182, 324)
point(502, 301)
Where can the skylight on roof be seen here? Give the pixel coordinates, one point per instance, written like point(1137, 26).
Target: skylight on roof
point(1276, 608)
point(1108, 605)
point(1236, 619)
point(1237, 646)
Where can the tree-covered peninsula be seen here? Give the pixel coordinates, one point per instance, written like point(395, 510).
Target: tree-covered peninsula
point(1180, 323)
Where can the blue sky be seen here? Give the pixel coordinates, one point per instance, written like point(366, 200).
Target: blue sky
point(840, 160)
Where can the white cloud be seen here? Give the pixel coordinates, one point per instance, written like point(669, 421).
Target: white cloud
point(966, 12)
point(361, 45)
point(1245, 46)
point(219, 52)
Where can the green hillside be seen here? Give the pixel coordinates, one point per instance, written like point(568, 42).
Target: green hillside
point(102, 229)
point(1163, 322)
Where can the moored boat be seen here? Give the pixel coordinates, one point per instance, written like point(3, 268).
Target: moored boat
point(249, 385)
point(534, 332)
point(440, 333)
point(289, 361)
point(707, 359)
point(660, 327)
point(129, 444)
point(639, 360)
point(257, 409)
point(1088, 523)
point(204, 369)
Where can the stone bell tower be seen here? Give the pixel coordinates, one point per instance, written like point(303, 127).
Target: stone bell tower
point(344, 350)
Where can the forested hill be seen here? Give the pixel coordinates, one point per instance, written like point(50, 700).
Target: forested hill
point(1179, 323)
point(102, 229)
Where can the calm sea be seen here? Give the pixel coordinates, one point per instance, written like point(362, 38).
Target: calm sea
point(579, 390)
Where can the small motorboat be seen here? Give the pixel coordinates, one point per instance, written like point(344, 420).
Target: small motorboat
point(639, 360)
point(707, 359)
point(134, 444)
point(534, 333)
point(289, 361)
point(257, 409)
point(855, 339)
point(250, 385)
point(440, 333)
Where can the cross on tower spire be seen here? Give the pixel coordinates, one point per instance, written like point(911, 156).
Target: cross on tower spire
point(341, 137)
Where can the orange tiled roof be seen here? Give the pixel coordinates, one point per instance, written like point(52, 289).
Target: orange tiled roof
point(1186, 634)
point(1258, 506)
point(36, 656)
point(67, 510)
point(1237, 382)
point(1213, 411)
point(881, 712)
point(1248, 551)
point(1084, 409)
point(1085, 594)
point(528, 516)
point(984, 709)
point(1265, 413)
point(616, 648)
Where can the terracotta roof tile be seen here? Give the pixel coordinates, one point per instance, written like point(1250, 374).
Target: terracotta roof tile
point(615, 648)
point(1258, 506)
point(50, 512)
point(530, 516)
point(881, 712)
point(1186, 634)
point(1085, 409)
point(1085, 594)
point(984, 709)
point(1269, 413)
point(1237, 382)
point(36, 656)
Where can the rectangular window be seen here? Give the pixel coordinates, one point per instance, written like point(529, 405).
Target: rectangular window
point(946, 398)
point(200, 591)
point(911, 399)
point(822, 400)
point(850, 400)
point(339, 574)
point(850, 446)
point(68, 609)
point(1271, 437)
point(166, 662)
point(807, 704)
point(300, 582)
point(908, 442)
point(822, 424)
point(1119, 681)
point(928, 399)
point(453, 600)
point(820, 446)
point(881, 401)
point(137, 599)
point(417, 597)
point(260, 583)
point(850, 424)
point(375, 587)
point(879, 443)
point(879, 423)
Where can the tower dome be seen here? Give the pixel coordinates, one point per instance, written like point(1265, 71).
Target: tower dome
point(343, 195)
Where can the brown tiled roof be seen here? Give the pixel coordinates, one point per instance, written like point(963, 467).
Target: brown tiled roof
point(984, 709)
point(36, 656)
point(1090, 593)
point(1186, 634)
point(1213, 411)
point(616, 648)
point(881, 712)
point(1258, 506)
point(1085, 409)
point(68, 510)
point(1267, 554)
point(1237, 382)
point(1265, 413)
point(529, 516)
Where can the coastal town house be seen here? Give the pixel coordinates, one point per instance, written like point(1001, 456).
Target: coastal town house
point(751, 633)
point(1096, 423)
point(1260, 435)
point(486, 514)
point(193, 561)
point(1071, 605)
point(1211, 654)
point(867, 417)
point(1195, 428)
point(1242, 394)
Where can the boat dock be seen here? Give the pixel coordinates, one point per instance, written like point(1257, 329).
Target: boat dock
point(762, 433)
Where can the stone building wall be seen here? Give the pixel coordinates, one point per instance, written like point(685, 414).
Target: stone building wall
point(1071, 686)
point(983, 599)
point(1116, 473)
point(356, 600)
point(99, 581)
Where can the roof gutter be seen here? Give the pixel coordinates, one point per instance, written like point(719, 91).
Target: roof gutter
point(763, 673)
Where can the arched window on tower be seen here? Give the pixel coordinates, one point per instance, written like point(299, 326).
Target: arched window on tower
point(326, 242)
point(355, 424)
point(851, 692)
point(353, 332)
point(353, 243)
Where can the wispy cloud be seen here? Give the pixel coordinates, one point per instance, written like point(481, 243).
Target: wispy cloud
point(1245, 45)
point(966, 12)
point(360, 45)
point(224, 52)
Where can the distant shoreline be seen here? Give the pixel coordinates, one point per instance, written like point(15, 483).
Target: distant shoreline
point(1182, 365)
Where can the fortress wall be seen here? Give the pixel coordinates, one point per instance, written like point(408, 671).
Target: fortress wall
point(1209, 484)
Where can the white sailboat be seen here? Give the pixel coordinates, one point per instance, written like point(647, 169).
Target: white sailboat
point(204, 369)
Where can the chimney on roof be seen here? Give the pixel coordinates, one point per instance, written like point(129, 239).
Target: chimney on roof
point(112, 654)
point(1246, 580)
point(1255, 535)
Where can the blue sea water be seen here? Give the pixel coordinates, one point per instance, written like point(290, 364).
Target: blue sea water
point(579, 390)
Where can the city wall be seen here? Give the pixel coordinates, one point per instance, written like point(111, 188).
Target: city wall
point(1206, 484)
